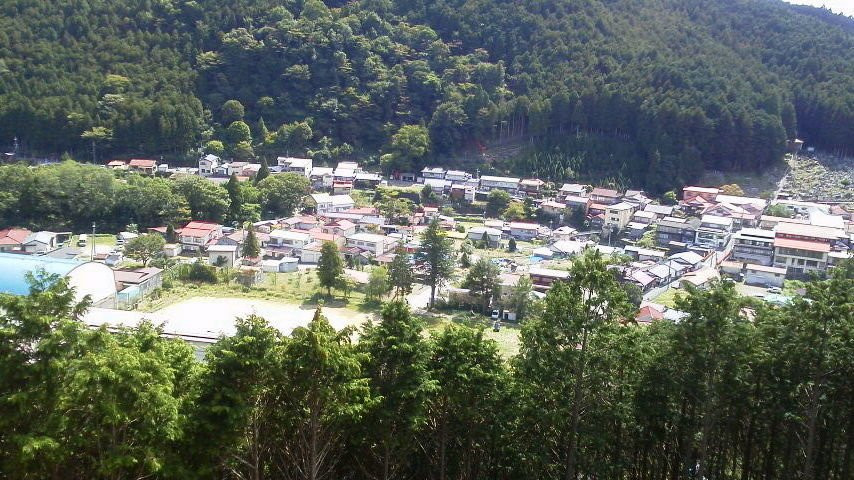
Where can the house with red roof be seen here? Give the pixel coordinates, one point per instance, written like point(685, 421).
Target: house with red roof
point(142, 166)
point(196, 236)
point(12, 239)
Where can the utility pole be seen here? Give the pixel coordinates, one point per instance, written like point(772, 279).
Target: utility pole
point(92, 256)
point(93, 152)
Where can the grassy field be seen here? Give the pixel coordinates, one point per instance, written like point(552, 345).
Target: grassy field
point(507, 339)
point(101, 240)
point(299, 288)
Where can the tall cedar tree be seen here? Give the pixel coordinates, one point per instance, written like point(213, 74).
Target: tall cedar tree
point(330, 267)
point(396, 356)
point(400, 274)
point(438, 253)
point(483, 281)
point(251, 245)
point(235, 199)
point(554, 360)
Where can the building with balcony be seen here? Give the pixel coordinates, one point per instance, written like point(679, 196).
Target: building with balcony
point(754, 245)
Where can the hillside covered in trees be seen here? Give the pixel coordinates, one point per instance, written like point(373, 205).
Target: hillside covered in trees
point(653, 91)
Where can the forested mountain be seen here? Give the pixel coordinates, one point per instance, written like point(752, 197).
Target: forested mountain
point(652, 91)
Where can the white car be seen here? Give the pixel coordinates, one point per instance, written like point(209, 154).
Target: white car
point(776, 290)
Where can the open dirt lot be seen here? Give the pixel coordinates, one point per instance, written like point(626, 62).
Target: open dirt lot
point(211, 315)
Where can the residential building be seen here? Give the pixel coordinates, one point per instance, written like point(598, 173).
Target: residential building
point(142, 166)
point(117, 165)
point(208, 164)
point(619, 214)
point(573, 189)
point(764, 275)
point(433, 172)
point(322, 177)
point(691, 193)
point(641, 254)
point(531, 186)
point(326, 203)
point(223, 255)
point(439, 186)
point(553, 207)
point(311, 252)
point(302, 166)
point(345, 171)
point(605, 196)
point(638, 197)
point(287, 243)
point(371, 242)
point(564, 233)
point(367, 180)
point(660, 211)
point(143, 280)
point(39, 242)
point(196, 236)
point(523, 230)
point(800, 257)
point(493, 235)
point(457, 176)
point(644, 217)
point(754, 245)
point(816, 233)
point(566, 248)
point(12, 239)
point(574, 201)
point(342, 187)
point(488, 182)
point(753, 204)
point(678, 230)
point(544, 278)
point(714, 231)
point(461, 191)
point(235, 168)
point(702, 278)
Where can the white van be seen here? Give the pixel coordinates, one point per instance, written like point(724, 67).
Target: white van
point(81, 240)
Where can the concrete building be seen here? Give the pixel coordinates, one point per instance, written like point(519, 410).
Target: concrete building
point(764, 275)
point(433, 172)
point(714, 231)
point(302, 166)
point(619, 214)
point(374, 243)
point(800, 257)
point(326, 203)
point(509, 184)
point(208, 165)
point(754, 245)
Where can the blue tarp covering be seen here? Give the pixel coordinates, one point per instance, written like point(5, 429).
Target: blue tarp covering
point(14, 268)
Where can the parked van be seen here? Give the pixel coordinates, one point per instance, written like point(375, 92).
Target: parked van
point(81, 240)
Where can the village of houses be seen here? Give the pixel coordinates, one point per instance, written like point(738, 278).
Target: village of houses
point(704, 236)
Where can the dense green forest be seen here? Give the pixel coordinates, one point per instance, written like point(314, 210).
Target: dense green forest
point(736, 389)
point(677, 86)
point(71, 196)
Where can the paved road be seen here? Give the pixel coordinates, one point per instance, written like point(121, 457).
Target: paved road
point(419, 298)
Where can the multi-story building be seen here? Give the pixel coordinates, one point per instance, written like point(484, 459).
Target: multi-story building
point(433, 172)
point(208, 164)
point(802, 249)
point(301, 166)
point(678, 230)
point(714, 231)
point(457, 176)
point(605, 196)
point(488, 182)
point(325, 203)
point(372, 242)
point(544, 278)
point(531, 186)
point(197, 236)
point(523, 230)
point(754, 245)
point(619, 215)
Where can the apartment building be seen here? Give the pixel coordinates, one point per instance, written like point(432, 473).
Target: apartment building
point(754, 245)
